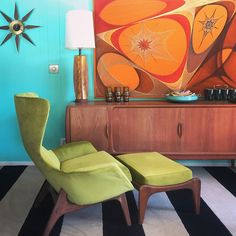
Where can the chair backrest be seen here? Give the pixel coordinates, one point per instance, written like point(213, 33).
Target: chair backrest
point(32, 113)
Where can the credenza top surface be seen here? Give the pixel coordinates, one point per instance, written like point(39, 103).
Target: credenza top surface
point(154, 103)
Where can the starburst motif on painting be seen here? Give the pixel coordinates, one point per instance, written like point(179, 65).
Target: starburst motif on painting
point(209, 25)
point(17, 27)
point(150, 44)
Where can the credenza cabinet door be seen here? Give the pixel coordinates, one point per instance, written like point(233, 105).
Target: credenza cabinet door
point(88, 123)
point(208, 130)
point(140, 129)
point(222, 130)
point(194, 130)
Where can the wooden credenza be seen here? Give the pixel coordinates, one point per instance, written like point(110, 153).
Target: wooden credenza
point(200, 130)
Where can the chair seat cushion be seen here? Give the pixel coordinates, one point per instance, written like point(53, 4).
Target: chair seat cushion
point(83, 163)
point(152, 168)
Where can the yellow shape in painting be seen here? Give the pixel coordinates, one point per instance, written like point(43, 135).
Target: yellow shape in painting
point(208, 24)
point(157, 46)
point(122, 12)
point(115, 71)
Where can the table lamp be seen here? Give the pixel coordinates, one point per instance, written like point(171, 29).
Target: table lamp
point(79, 35)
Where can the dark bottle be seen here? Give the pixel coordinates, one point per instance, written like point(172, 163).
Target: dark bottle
point(109, 94)
point(117, 94)
point(232, 94)
point(126, 94)
point(209, 94)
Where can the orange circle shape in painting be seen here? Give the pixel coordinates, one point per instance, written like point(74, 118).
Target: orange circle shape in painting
point(208, 24)
point(115, 71)
point(122, 12)
point(158, 46)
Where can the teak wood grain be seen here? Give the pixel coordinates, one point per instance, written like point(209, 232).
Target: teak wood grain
point(200, 130)
point(144, 129)
point(89, 123)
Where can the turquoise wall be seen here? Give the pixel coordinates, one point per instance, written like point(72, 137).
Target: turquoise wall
point(28, 70)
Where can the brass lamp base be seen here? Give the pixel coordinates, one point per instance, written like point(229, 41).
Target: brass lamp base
point(80, 78)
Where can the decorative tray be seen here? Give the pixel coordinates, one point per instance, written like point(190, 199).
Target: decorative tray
point(190, 98)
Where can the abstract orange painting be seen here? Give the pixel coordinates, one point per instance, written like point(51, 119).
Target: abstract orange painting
point(154, 46)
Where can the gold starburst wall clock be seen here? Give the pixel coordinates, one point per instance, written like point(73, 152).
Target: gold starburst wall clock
point(17, 27)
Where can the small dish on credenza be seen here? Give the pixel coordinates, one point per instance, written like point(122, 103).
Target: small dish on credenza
point(182, 96)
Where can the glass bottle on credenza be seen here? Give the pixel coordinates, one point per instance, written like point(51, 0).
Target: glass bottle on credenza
point(117, 94)
point(109, 94)
point(126, 94)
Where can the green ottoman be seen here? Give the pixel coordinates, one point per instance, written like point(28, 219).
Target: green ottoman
point(152, 172)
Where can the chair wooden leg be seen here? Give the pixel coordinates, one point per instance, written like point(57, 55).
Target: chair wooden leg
point(43, 192)
point(196, 189)
point(124, 205)
point(63, 206)
point(57, 212)
point(144, 195)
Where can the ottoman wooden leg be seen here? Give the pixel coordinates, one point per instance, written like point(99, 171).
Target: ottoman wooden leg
point(145, 191)
point(196, 189)
point(144, 195)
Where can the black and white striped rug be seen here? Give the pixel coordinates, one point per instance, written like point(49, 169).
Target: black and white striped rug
point(168, 214)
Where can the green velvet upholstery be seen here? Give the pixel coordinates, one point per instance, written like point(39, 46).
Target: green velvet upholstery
point(152, 168)
point(100, 158)
point(86, 181)
point(72, 150)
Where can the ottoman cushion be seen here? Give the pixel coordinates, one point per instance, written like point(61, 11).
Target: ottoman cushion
point(152, 168)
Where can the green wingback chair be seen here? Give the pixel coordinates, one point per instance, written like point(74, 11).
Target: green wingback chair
point(78, 173)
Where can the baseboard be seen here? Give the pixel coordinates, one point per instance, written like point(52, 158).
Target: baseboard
point(205, 163)
point(199, 163)
point(16, 163)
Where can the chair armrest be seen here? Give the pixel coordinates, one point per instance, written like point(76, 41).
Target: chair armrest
point(75, 149)
point(92, 185)
point(89, 169)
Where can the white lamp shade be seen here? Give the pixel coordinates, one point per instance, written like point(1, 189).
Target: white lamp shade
point(79, 29)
